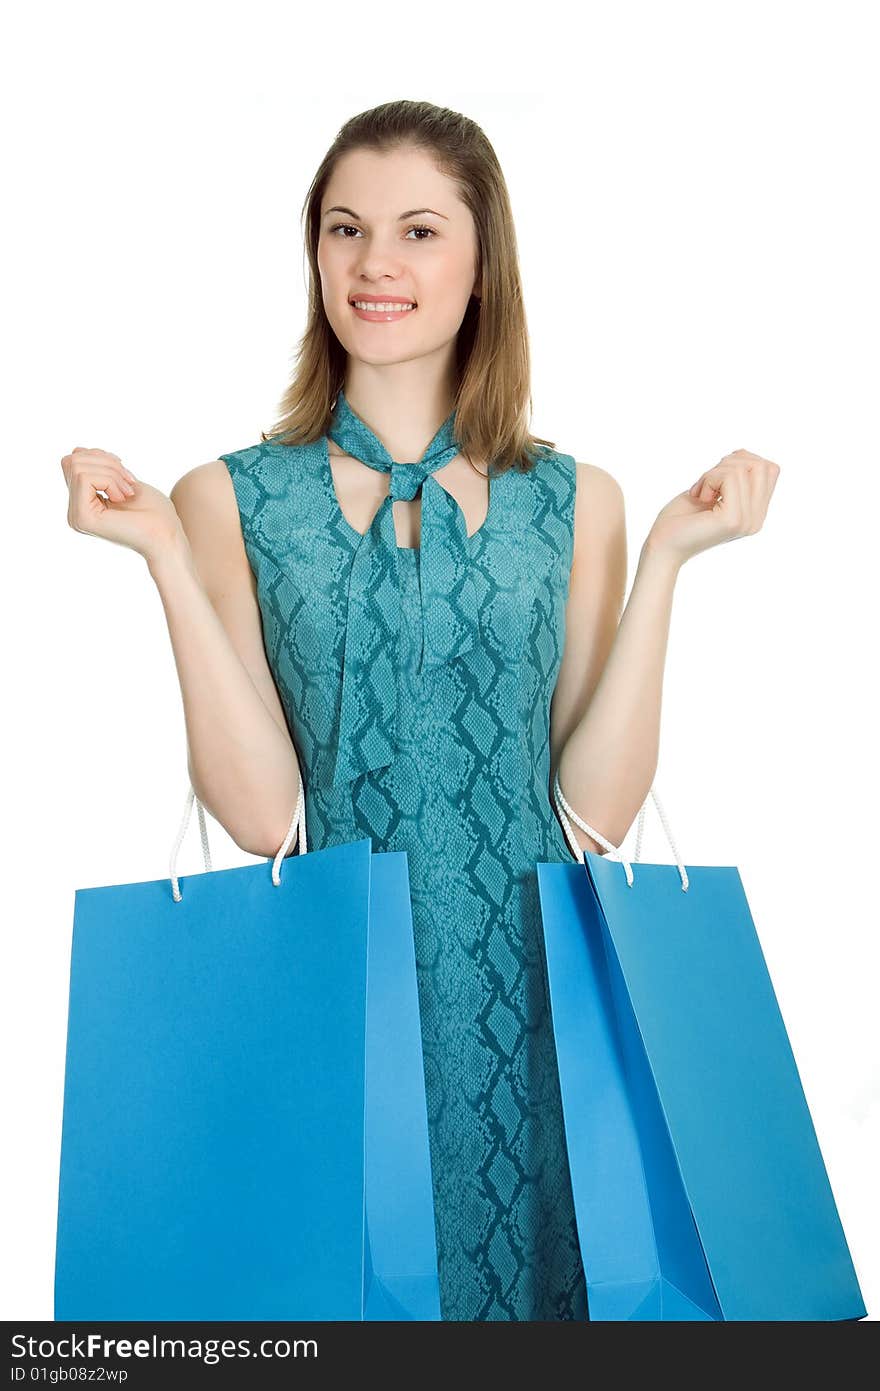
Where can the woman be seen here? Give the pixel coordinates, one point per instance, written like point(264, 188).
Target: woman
point(404, 598)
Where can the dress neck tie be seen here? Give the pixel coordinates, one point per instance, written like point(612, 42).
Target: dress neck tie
point(368, 713)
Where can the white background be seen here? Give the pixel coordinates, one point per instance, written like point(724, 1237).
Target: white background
point(693, 187)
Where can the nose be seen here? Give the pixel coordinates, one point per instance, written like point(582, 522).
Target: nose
point(378, 261)
point(376, 274)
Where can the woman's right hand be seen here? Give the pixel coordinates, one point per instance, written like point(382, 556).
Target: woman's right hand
point(133, 514)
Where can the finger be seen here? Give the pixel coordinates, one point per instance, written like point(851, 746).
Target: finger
point(709, 482)
point(102, 455)
point(70, 459)
point(124, 488)
point(756, 493)
point(739, 493)
point(712, 478)
point(118, 488)
point(745, 496)
point(101, 465)
point(118, 491)
point(756, 490)
point(86, 484)
point(769, 474)
point(727, 482)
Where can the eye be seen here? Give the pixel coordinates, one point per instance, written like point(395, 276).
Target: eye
point(416, 227)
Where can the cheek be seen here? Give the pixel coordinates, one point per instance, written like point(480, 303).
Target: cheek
point(449, 276)
point(444, 293)
point(443, 320)
point(330, 256)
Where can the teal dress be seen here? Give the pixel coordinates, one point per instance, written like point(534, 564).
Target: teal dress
point(417, 686)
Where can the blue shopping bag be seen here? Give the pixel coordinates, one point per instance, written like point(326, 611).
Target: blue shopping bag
point(244, 1129)
point(699, 1187)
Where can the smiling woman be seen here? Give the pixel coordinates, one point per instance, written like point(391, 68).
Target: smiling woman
point(411, 543)
point(404, 603)
point(421, 263)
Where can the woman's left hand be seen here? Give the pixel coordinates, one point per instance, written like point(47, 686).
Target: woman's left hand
point(728, 501)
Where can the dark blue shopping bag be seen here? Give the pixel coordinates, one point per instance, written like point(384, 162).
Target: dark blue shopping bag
point(699, 1187)
point(245, 1127)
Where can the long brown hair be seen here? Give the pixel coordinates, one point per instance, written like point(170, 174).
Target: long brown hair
point(493, 399)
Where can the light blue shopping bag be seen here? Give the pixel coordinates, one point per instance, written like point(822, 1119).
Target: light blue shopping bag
point(699, 1187)
point(245, 1126)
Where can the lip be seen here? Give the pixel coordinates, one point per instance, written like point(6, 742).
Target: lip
point(381, 299)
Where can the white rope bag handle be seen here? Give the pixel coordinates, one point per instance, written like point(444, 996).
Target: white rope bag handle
point(562, 807)
point(297, 824)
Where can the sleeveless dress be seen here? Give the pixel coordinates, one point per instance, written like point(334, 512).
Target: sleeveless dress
point(416, 685)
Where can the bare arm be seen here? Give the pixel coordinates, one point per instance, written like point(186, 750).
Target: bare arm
point(605, 722)
point(241, 760)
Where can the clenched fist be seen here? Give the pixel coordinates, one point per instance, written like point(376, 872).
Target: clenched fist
point(131, 513)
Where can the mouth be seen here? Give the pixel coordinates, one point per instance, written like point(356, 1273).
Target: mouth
point(381, 310)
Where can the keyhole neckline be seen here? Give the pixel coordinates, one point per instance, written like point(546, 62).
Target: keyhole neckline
point(473, 539)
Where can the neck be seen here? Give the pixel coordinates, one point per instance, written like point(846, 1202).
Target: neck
point(405, 414)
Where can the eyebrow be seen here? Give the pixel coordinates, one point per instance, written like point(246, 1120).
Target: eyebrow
point(413, 212)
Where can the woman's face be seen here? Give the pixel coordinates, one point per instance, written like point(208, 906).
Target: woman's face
point(371, 249)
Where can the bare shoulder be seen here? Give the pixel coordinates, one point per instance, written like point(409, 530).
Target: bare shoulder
point(205, 498)
point(598, 486)
point(599, 509)
point(207, 485)
point(205, 501)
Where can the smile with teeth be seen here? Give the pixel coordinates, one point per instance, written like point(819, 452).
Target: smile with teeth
point(383, 307)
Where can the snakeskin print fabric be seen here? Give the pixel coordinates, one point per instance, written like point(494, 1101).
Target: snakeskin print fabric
point(467, 796)
point(368, 715)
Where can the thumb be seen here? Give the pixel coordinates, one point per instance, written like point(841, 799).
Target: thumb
point(703, 491)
